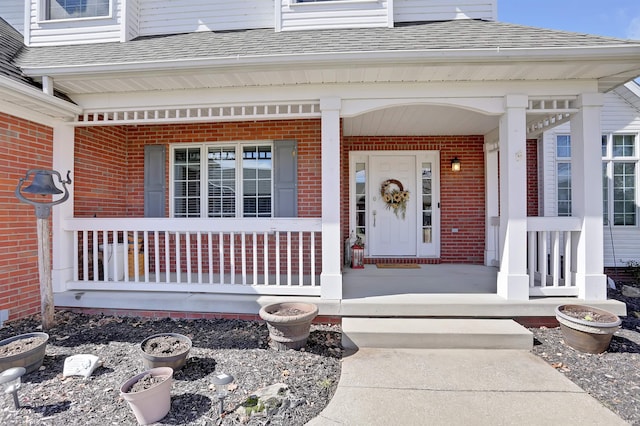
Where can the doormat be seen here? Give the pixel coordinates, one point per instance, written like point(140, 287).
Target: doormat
point(398, 266)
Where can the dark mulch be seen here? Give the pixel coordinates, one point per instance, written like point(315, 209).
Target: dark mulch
point(612, 377)
point(235, 347)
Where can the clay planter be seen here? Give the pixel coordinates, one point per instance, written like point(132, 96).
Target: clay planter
point(586, 328)
point(288, 323)
point(24, 350)
point(165, 350)
point(153, 401)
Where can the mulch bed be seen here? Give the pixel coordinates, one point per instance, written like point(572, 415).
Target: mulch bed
point(235, 347)
point(612, 377)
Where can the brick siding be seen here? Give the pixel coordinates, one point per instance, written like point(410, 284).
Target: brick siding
point(24, 145)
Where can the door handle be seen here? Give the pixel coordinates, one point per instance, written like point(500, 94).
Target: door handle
point(374, 218)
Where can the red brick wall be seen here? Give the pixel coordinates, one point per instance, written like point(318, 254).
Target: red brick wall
point(532, 177)
point(100, 175)
point(120, 164)
point(462, 194)
point(23, 145)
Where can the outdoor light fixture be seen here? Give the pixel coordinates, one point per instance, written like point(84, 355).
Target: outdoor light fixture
point(221, 383)
point(10, 381)
point(455, 164)
point(42, 184)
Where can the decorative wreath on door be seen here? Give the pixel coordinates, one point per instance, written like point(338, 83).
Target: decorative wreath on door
point(394, 196)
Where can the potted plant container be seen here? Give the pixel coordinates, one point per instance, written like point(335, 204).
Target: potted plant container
point(586, 328)
point(289, 323)
point(165, 350)
point(25, 350)
point(149, 394)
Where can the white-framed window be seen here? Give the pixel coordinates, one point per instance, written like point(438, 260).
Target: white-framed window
point(620, 179)
point(222, 180)
point(563, 174)
point(74, 9)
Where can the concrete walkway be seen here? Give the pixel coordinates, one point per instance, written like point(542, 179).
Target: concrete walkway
point(401, 387)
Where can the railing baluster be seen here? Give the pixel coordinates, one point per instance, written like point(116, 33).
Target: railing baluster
point(568, 279)
point(244, 258)
point(288, 257)
point(210, 253)
point(167, 256)
point(188, 266)
point(145, 257)
point(313, 258)
point(265, 257)
point(300, 258)
point(156, 254)
point(232, 256)
point(85, 255)
point(555, 258)
point(254, 243)
point(178, 256)
point(221, 256)
point(277, 257)
point(199, 254)
point(533, 237)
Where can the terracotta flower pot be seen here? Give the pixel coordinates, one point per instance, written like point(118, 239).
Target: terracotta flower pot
point(289, 323)
point(165, 350)
point(586, 328)
point(31, 358)
point(153, 403)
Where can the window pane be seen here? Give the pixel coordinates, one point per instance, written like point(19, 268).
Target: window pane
point(221, 166)
point(427, 203)
point(624, 190)
point(564, 189)
point(605, 195)
point(256, 181)
point(623, 145)
point(361, 201)
point(563, 146)
point(186, 182)
point(604, 145)
point(66, 9)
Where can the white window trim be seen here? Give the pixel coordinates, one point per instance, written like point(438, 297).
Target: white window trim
point(610, 159)
point(41, 14)
point(204, 205)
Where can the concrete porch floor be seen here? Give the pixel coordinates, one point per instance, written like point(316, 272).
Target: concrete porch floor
point(444, 291)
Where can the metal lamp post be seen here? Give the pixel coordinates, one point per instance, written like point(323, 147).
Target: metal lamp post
point(42, 184)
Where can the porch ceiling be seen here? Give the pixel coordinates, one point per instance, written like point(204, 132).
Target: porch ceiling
point(419, 120)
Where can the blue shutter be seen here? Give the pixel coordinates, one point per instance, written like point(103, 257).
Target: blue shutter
point(285, 171)
point(154, 180)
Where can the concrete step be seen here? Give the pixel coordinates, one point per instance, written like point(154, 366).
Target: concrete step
point(434, 333)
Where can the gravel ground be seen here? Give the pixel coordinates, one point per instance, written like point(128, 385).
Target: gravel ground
point(612, 377)
point(241, 348)
point(235, 347)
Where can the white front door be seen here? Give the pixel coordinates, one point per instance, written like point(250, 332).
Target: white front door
point(392, 232)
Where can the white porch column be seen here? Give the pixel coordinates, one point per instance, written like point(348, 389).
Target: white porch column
point(513, 281)
point(586, 196)
point(491, 203)
point(331, 277)
point(62, 242)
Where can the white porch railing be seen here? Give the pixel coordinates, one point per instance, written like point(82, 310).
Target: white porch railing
point(550, 255)
point(259, 256)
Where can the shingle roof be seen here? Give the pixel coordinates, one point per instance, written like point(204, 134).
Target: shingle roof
point(11, 43)
point(434, 36)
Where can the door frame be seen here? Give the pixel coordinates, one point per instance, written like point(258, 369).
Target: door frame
point(422, 250)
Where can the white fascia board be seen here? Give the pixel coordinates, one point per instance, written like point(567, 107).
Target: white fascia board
point(58, 107)
point(497, 55)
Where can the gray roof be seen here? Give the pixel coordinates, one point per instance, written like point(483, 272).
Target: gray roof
point(430, 36)
point(11, 43)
